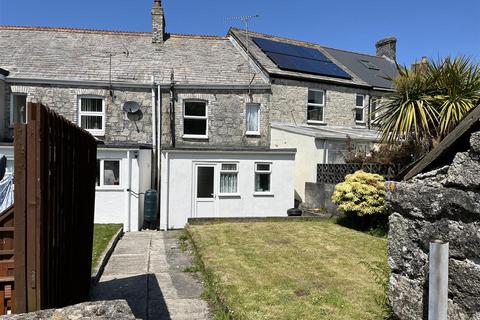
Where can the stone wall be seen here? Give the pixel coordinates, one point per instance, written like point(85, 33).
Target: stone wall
point(64, 100)
point(226, 118)
point(289, 102)
point(443, 204)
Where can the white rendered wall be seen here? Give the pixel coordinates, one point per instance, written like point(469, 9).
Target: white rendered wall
point(178, 173)
point(310, 152)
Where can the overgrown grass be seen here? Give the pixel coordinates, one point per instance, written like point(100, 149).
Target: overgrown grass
point(102, 234)
point(291, 270)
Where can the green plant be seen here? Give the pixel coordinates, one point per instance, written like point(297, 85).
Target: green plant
point(428, 102)
point(361, 194)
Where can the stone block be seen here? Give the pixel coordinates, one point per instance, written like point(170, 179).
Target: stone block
point(406, 297)
point(464, 170)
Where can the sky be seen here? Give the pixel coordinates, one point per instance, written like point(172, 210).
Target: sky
point(432, 28)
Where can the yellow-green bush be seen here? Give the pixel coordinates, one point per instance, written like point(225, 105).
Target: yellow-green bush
point(361, 193)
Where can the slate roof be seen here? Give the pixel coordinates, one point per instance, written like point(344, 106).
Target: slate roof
point(344, 59)
point(78, 54)
point(375, 76)
point(330, 132)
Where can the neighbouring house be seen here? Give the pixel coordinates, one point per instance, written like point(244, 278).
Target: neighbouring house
point(322, 98)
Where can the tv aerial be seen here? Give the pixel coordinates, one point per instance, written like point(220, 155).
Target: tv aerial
point(132, 108)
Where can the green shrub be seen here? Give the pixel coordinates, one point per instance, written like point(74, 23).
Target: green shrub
point(361, 194)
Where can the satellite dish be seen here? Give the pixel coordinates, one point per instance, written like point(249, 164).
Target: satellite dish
point(131, 107)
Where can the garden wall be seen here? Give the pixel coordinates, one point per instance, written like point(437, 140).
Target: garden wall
point(443, 204)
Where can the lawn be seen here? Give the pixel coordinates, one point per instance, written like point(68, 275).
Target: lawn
point(102, 234)
point(291, 270)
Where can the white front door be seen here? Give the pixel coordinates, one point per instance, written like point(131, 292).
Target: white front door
point(205, 190)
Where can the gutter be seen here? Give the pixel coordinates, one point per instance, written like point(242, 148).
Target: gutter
point(106, 84)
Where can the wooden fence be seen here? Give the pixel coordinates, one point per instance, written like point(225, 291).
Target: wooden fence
point(335, 173)
point(47, 247)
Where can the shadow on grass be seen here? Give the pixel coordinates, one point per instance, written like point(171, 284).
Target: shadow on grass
point(376, 226)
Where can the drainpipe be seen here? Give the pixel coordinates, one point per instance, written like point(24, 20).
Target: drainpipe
point(154, 134)
point(172, 109)
point(159, 147)
point(129, 194)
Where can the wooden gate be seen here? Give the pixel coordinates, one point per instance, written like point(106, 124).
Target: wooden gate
point(48, 262)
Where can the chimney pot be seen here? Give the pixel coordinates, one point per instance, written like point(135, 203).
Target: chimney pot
point(387, 48)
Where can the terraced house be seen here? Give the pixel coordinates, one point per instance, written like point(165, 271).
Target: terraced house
point(212, 123)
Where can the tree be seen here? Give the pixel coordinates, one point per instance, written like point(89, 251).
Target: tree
point(428, 103)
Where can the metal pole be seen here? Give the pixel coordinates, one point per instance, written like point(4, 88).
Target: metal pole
point(438, 281)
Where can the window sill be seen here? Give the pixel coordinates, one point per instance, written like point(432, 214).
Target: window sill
point(316, 122)
point(263, 194)
point(360, 123)
point(229, 195)
point(252, 134)
point(192, 136)
point(110, 188)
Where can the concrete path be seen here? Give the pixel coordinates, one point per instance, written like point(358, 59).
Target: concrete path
point(146, 269)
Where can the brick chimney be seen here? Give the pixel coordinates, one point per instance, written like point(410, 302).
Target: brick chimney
point(387, 48)
point(420, 66)
point(158, 23)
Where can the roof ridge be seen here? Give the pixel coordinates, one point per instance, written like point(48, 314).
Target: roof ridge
point(361, 53)
point(307, 42)
point(198, 36)
point(78, 30)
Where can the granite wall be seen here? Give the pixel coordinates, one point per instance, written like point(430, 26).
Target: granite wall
point(443, 204)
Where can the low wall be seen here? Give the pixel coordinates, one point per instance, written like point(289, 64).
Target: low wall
point(445, 205)
point(319, 195)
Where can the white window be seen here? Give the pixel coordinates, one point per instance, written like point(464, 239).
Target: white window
point(373, 108)
point(229, 178)
point(18, 108)
point(253, 118)
point(195, 119)
point(108, 173)
point(316, 106)
point(10, 167)
point(263, 173)
point(91, 115)
point(360, 108)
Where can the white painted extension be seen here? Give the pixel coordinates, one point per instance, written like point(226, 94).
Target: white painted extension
point(224, 183)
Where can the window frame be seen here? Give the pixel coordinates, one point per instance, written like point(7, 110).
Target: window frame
point(374, 101)
point(94, 132)
point(102, 185)
point(269, 172)
point(253, 133)
point(317, 105)
point(205, 117)
point(236, 171)
point(362, 108)
point(11, 106)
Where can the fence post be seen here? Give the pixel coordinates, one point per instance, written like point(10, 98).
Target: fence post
point(438, 281)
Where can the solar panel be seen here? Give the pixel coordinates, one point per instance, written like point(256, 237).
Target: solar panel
point(297, 58)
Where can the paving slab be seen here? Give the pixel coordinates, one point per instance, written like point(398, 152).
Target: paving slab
point(146, 269)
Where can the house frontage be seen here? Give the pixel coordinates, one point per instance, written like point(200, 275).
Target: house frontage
point(212, 123)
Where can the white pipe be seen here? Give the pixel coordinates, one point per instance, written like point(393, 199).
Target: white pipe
point(438, 281)
point(129, 194)
point(154, 127)
point(167, 211)
point(159, 147)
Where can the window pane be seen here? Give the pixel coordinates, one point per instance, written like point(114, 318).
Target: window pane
point(262, 182)
point(358, 114)
point(315, 97)
point(359, 101)
point(91, 105)
point(373, 109)
point(111, 173)
point(229, 166)
point(195, 108)
point(10, 167)
point(195, 126)
point(263, 167)
point(205, 182)
point(91, 122)
point(228, 183)
point(19, 108)
point(252, 117)
point(97, 176)
point(315, 113)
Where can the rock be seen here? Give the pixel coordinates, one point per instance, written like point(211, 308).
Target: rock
point(464, 284)
point(406, 297)
point(98, 310)
point(475, 142)
point(464, 170)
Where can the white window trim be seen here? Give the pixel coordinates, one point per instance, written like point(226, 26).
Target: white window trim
point(373, 115)
point(357, 107)
point(104, 187)
point(262, 193)
point(253, 133)
point(11, 106)
point(205, 117)
point(81, 113)
point(236, 194)
point(317, 105)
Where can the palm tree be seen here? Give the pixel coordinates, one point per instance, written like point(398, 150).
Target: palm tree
point(429, 102)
